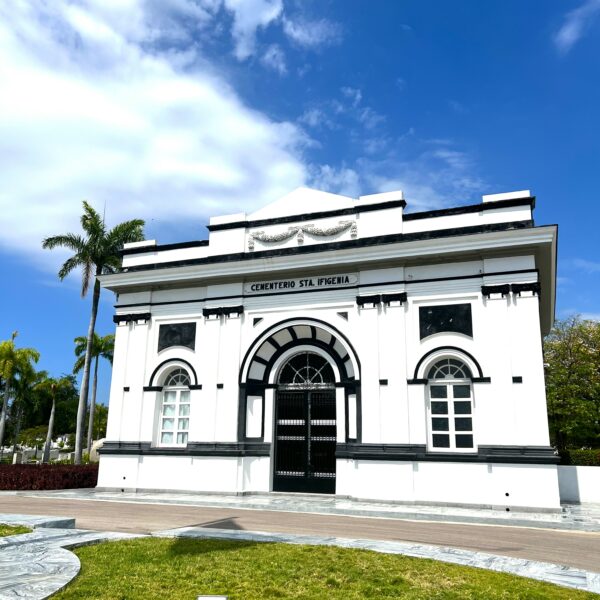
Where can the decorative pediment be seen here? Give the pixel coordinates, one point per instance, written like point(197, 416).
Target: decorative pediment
point(299, 231)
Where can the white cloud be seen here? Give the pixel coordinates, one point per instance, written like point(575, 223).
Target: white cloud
point(317, 119)
point(312, 34)
point(566, 313)
point(588, 266)
point(575, 24)
point(90, 112)
point(248, 17)
point(429, 179)
point(370, 118)
point(337, 180)
point(375, 145)
point(353, 94)
point(274, 59)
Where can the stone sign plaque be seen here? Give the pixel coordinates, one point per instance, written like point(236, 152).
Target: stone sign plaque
point(301, 284)
point(177, 334)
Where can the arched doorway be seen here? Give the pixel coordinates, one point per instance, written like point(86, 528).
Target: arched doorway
point(305, 425)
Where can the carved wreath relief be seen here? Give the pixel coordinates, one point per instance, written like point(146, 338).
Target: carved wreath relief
point(300, 230)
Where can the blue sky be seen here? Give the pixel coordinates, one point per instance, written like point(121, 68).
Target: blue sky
point(175, 110)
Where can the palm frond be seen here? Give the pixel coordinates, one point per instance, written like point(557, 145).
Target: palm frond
point(79, 363)
point(69, 265)
point(107, 345)
point(68, 240)
point(87, 274)
point(92, 222)
point(125, 233)
point(80, 345)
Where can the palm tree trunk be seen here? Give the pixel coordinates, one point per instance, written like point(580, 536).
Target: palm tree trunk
point(3, 415)
point(46, 456)
point(19, 418)
point(92, 408)
point(85, 381)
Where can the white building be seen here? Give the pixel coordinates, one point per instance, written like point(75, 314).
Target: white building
point(328, 344)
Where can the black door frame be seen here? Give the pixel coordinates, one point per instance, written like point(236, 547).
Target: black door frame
point(308, 483)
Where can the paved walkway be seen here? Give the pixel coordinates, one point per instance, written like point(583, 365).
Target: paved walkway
point(571, 517)
point(143, 514)
point(37, 564)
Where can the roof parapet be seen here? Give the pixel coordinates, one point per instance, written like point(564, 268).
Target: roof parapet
point(506, 196)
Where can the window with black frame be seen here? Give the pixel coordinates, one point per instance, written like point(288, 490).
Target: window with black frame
point(174, 420)
point(445, 318)
point(450, 406)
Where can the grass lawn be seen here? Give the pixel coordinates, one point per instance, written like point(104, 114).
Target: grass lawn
point(12, 530)
point(184, 568)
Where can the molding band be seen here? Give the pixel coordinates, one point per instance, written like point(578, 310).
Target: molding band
point(226, 311)
point(349, 287)
point(535, 455)
point(488, 290)
point(308, 216)
point(224, 449)
point(366, 242)
point(131, 318)
point(374, 299)
point(471, 208)
point(163, 247)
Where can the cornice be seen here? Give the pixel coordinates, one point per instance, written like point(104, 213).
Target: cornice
point(445, 243)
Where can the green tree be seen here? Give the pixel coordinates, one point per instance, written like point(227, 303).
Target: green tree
point(102, 347)
point(52, 387)
point(96, 252)
point(24, 395)
point(13, 362)
point(100, 421)
point(33, 437)
point(572, 357)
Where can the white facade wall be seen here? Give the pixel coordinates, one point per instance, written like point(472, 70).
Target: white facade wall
point(579, 484)
point(389, 410)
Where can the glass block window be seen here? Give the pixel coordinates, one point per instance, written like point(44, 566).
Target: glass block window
point(174, 422)
point(450, 407)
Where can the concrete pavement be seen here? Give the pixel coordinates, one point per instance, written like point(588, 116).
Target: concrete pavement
point(571, 548)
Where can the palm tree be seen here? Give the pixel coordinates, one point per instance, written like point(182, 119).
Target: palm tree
point(53, 387)
point(97, 252)
point(102, 347)
point(24, 392)
point(13, 362)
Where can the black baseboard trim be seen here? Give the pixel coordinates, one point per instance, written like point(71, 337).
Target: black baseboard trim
point(533, 455)
point(192, 449)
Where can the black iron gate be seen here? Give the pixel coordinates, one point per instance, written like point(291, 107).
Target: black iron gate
point(305, 437)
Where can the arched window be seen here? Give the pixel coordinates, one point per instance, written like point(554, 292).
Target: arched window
point(307, 370)
point(450, 406)
point(174, 422)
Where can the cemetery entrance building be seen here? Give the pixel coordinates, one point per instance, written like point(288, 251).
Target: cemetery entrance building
point(327, 344)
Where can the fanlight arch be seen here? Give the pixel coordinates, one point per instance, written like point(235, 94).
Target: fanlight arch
point(446, 359)
point(163, 371)
point(449, 368)
point(264, 357)
point(306, 370)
